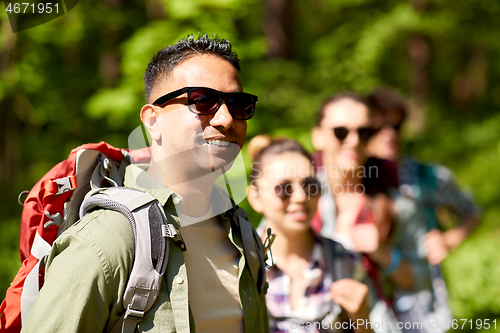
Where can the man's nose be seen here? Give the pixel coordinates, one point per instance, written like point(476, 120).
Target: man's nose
point(222, 117)
point(389, 130)
point(352, 138)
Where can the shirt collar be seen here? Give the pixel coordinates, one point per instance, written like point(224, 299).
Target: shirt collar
point(317, 255)
point(317, 260)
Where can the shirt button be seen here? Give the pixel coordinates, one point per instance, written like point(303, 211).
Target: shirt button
point(179, 280)
point(176, 200)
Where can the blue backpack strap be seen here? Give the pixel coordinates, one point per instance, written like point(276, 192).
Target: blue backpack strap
point(427, 181)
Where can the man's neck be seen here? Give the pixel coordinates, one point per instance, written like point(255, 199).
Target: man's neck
point(196, 197)
point(342, 181)
point(195, 193)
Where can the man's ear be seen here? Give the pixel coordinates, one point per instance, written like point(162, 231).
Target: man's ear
point(148, 117)
point(254, 198)
point(318, 138)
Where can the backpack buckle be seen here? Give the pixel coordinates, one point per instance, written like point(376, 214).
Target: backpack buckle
point(268, 255)
point(64, 185)
point(168, 230)
point(132, 314)
point(55, 219)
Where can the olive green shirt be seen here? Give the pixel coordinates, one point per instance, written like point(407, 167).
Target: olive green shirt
point(89, 264)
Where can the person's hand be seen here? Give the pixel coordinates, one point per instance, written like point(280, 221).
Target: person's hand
point(351, 295)
point(366, 238)
point(384, 215)
point(435, 244)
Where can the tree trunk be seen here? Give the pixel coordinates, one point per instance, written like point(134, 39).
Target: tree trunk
point(277, 28)
point(418, 51)
point(9, 138)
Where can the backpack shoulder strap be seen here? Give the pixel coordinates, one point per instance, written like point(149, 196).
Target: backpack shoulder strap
point(253, 247)
point(334, 255)
point(152, 234)
point(427, 182)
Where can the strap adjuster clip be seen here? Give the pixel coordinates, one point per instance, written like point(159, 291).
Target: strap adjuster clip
point(168, 230)
point(63, 185)
point(132, 314)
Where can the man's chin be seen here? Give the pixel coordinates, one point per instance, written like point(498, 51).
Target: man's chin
point(209, 171)
point(223, 156)
point(201, 161)
point(351, 167)
point(216, 164)
point(222, 164)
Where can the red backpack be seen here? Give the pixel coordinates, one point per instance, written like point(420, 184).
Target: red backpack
point(51, 207)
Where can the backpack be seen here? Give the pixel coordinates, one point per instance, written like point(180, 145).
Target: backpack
point(91, 178)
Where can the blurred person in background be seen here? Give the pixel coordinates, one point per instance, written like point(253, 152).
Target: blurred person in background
point(360, 206)
point(432, 187)
point(314, 282)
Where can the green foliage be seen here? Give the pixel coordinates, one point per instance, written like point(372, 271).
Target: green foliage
point(471, 272)
point(78, 79)
point(9, 257)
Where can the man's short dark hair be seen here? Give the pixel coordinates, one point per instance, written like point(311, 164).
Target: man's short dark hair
point(337, 97)
point(164, 62)
point(384, 101)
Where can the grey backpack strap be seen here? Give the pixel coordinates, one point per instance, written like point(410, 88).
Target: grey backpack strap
point(109, 171)
point(151, 234)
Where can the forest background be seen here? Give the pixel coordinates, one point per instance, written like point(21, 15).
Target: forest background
point(78, 79)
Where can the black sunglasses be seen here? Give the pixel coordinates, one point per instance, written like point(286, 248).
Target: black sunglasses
point(311, 187)
point(206, 101)
point(395, 127)
point(364, 133)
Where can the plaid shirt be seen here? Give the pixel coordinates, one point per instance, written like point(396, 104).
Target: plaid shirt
point(316, 306)
point(431, 187)
point(446, 193)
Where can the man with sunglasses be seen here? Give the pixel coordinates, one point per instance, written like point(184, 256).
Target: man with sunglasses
point(356, 208)
point(196, 115)
point(432, 187)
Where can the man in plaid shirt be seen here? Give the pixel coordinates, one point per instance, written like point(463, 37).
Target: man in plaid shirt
point(432, 187)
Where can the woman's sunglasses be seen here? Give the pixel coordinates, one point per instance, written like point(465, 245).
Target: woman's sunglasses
point(364, 133)
point(206, 101)
point(311, 187)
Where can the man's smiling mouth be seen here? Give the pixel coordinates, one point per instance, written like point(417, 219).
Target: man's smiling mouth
point(217, 142)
